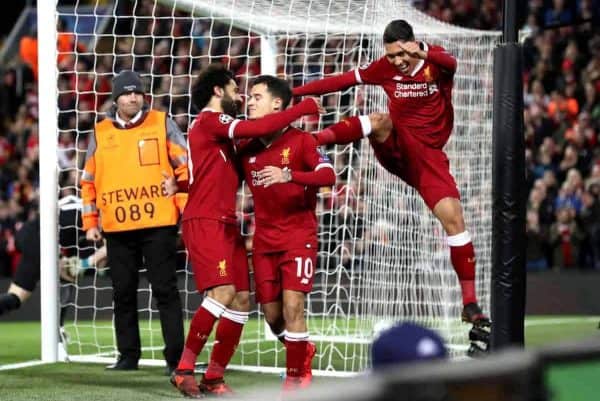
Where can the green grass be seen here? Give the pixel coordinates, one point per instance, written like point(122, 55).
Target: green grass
point(20, 342)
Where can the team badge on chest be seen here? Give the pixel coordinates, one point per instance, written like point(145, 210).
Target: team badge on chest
point(285, 156)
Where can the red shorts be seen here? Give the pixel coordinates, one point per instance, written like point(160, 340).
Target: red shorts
point(423, 167)
point(217, 253)
point(287, 270)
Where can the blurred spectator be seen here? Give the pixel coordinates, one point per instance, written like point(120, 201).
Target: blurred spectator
point(536, 240)
point(565, 238)
point(406, 343)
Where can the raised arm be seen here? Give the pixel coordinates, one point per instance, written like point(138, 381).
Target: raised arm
point(329, 84)
point(273, 122)
point(442, 59)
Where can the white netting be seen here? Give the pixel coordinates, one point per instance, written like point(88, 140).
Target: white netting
point(383, 256)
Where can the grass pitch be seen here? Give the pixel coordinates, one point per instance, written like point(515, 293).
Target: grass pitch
point(20, 342)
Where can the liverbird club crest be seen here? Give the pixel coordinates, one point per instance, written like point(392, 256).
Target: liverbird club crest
point(285, 156)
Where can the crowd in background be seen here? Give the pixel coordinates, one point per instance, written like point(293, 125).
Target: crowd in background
point(561, 94)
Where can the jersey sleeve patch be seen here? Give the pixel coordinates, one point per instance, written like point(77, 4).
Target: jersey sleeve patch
point(225, 118)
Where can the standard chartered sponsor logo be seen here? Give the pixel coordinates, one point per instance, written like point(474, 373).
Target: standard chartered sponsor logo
point(255, 180)
point(415, 89)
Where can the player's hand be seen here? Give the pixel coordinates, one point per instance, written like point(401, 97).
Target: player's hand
point(93, 234)
point(169, 184)
point(319, 105)
point(272, 175)
point(413, 49)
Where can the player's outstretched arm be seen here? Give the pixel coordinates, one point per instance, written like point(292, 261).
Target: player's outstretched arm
point(327, 85)
point(274, 122)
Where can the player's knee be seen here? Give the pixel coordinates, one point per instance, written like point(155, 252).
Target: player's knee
point(449, 212)
point(293, 311)
point(381, 126)
point(241, 302)
point(223, 294)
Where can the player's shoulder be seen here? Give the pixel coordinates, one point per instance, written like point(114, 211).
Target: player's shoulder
point(207, 119)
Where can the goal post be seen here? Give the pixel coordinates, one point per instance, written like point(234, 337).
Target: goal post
point(48, 127)
point(383, 256)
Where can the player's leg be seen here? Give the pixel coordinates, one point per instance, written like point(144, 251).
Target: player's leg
point(439, 191)
point(297, 273)
point(28, 271)
point(267, 279)
point(124, 259)
point(387, 151)
point(273, 312)
point(231, 324)
point(211, 255)
point(14, 297)
point(356, 128)
point(159, 250)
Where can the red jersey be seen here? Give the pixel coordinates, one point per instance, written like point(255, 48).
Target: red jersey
point(420, 104)
point(284, 213)
point(213, 180)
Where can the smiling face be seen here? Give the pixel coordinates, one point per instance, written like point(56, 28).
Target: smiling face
point(399, 58)
point(261, 102)
point(129, 104)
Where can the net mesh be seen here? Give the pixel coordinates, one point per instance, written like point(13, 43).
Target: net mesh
point(383, 256)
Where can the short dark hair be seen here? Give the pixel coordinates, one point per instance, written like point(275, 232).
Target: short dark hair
point(396, 30)
point(215, 74)
point(277, 87)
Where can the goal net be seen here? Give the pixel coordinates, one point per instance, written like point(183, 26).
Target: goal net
point(383, 257)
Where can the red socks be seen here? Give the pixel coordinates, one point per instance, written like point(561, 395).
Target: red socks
point(296, 348)
point(462, 255)
point(200, 328)
point(227, 338)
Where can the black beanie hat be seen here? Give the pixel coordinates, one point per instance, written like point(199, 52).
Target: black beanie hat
point(125, 82)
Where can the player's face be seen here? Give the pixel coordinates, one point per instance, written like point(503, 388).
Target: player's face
point(261, 102)
point(129, 104)
point(232, 100)
point(399, 58)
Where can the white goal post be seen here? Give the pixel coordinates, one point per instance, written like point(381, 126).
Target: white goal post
point(383, 256)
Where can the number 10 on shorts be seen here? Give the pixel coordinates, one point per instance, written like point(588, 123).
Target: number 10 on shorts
point(304, 269)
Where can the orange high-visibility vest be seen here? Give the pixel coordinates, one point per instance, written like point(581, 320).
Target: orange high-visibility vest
point(129, 165)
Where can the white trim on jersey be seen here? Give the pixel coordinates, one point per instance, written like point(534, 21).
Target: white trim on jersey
point(232, 128)
point(190, 163)
point(321, 165)
point(421, 62)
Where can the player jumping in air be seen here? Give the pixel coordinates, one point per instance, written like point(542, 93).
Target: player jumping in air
point(418, 79)
point(209, 225)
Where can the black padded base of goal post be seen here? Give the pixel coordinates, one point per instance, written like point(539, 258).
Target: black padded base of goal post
point(509, 194)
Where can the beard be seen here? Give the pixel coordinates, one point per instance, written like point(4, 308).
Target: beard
point(230, 106)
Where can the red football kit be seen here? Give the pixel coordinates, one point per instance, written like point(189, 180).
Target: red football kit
point(421, 110)
point(285, 237)
point(209, 226)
